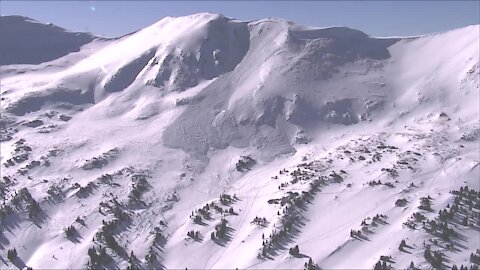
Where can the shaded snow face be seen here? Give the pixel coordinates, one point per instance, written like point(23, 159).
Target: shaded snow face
point(26, 41)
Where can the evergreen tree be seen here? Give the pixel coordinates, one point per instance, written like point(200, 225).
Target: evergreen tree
point(402, 245)
point(427, 254)
point(465, 221)
point(12, 254)
point(294, 251)
point(132, 257)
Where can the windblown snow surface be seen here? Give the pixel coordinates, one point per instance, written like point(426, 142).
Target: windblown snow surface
point(203, 142)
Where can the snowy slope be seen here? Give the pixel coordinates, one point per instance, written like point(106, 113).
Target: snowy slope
point(26, 41)
point(313, 129)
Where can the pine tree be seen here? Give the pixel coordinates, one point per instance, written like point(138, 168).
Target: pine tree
point(465, 221)
point(132, 257)
point(402, 245)
point(12, 254)
point(294, 251)
point(427, 254)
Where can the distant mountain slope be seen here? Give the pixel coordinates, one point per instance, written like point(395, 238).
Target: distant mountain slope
point(26, 41)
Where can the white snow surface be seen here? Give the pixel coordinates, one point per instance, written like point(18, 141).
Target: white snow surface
point(180, 102)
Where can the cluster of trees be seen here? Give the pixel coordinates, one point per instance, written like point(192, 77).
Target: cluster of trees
point(378, 218)
point(391, 147)
point(139, 186)
point(465, 201)
point(220, 230)
point(97, 257)
point(12, 254)
point(197, 219)
point(33, 207)
point(391, 171)
point(445, 215)
point(374, 183)
point(159, 237)
point(5, 211)
point(70, 231)
point(294, 251)
point(418, 216)
point(262, 222)
point(151, 258)
point(300, 174)
point(20, 153)
point(336, 178)
point(109, 227)
point(293, 202)
point(382, 265)
point(105, 178)
point(118, 211)
point(401, 202)
point(440, 228)
point(226, 199)
point(54, 192)
point(435, 258)
point(310, 265)
point(355, 233)
point(472, 267)
point(203, 212)
point(86, 190)
point(475, 258)
point(245, 163)
point(193, 234)
point(426, 203)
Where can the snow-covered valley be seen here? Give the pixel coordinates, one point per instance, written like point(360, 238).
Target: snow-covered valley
point(204, 142)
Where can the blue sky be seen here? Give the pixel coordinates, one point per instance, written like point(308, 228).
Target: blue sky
point(376, 18)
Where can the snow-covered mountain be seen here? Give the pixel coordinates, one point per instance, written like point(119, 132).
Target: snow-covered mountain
point(208, 142)
point(26, 41)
